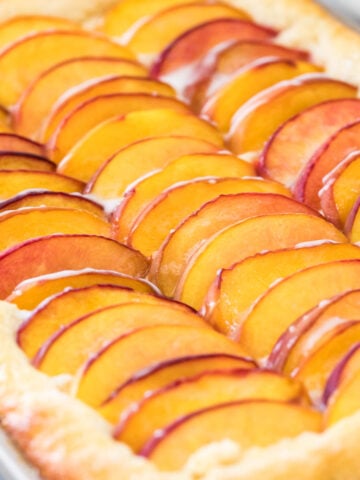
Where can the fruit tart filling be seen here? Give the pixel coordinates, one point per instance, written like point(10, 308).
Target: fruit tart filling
point(179, 218)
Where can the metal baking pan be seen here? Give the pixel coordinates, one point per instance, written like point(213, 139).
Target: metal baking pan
point(347, 10)
point(12, 464)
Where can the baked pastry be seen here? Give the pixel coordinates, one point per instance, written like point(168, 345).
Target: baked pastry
point(65, 437)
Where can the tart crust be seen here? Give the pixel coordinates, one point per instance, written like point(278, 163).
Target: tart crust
point(63, 437)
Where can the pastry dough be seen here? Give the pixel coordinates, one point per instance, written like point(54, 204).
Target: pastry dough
point(63, 437)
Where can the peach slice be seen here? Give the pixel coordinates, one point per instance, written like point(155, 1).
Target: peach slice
point(170, 261)
point(316, 124)
point(52, 199)
point(235, 57)
point(227, 303)
point(101, 86)
point(13, 182)
point(122, 17)
point(240, 240)
point(139, 159)
point(28, 294)
point(344, 402)
point(59, 311)
point(194, 52)
point(340, 144)
point(38, 100)
point(247, 82)
point(159, 30)
point(89, 333)
point(110, 136)
point(343, 373)
point(51, 47)
point(260, 117)
point(25, 161)
point(253, 423)
point(94, 111)
point(183, 397)
point(290, 298)
point(123, 357)
point(17, 27)
point(170, 208)
point(51, 254)
point(341, 189)
point(4, 120)
point(164, 373)
point(23, 224)
point(318, 365)
point(312, 330)
point(352, 226)
point(188, 167)
point(10, 142)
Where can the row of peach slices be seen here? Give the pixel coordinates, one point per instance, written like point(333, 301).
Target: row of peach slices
point(107, 179)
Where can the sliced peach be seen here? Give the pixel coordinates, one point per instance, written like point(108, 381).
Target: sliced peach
point(320, 362)
point(107, 138)
point(38, 100)
point(13, 182)
point(102, 86)
point(310, 181)
point(4, 119)
point(183, 397)
point(140, 158)
point(157, 31)
point(344, 402)
point(10, 142)
point(25, 161)
point(352, 226)
point(4, 125)
point(316, 125)
point(164, 373)
point(21, 26)
point(59, 311)
point(236, 56)
point(290, 298)
point(55, 253)
point(343, 373)
point(254, 423)
point(94, 111)
point(51, 47)
point(227, 303)
point(259, 118)
point(91, 332)
point(170, 208)
point(52, 199)
point(119, 360)
point(193, 52)
point(341, 189)
point(23, 224)
point(125, 14)
point(247, 82)
point(170, 261)
point(28, 294)
point(301, 360)
point(312, 330)
point(240, 240)
point(186, 168)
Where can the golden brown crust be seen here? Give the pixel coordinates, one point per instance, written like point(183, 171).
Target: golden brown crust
point(67, 440)
point(309, 26)
point(79, 10)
